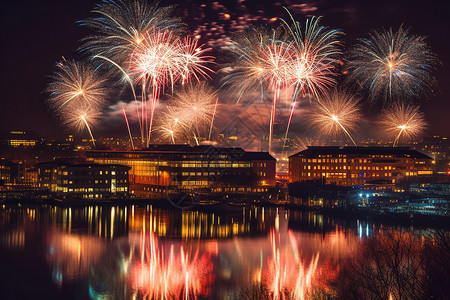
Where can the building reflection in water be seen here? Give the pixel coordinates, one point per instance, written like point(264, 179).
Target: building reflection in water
point(148, 252)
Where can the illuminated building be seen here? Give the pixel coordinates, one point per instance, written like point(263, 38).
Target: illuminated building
point(84, 180)
point(350, 166)
point(19, 139)
point(161, 168)
point(437, 147)
point(5, 171)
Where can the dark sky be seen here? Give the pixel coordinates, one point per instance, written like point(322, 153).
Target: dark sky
point(35, 34)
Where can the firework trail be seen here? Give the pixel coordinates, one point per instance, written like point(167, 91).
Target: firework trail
point(80, 117)
point(212, 119)
point(74, 84)
point(336, 112)
point(403, 120)
point(128, 126)
point(392, 65)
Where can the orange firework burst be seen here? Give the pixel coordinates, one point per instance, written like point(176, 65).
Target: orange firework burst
point(336, 113)
point(75, 84)
point(81, 117)
point(403, 121)
point(191, 111)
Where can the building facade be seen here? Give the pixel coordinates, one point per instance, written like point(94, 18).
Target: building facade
point(356, 166)
point(161, 168)
point(84, 180)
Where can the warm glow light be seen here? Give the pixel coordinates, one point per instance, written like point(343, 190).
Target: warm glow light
point(172, 275)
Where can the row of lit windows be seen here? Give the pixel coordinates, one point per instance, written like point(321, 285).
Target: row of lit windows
point(337, 175)
point(344, 160)
point(138, 165)
point(113, 173)
point(22, 143)
point(194, 183)
point(199, 173)
point(90, 190)
point(344, 175)
point(377, 168)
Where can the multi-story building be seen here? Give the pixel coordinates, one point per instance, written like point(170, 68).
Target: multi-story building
point(84, 180)
point(350, 166)
point(438, 148)
point(19, 139)
point(181, 167)
point(5, 171)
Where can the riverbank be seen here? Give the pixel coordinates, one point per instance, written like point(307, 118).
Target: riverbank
point(234, 206)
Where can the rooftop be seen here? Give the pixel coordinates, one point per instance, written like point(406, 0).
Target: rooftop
point(313, 151)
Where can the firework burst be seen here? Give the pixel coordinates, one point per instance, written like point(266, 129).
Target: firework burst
point(191, 111)
point(403, 121)
point(337, 112)
point(318, 50)
point(161, 60)
point(81, 118)
point(277, 60)
point(122, 25)
point(250, 59)
point(75, 84)
point(392, 65)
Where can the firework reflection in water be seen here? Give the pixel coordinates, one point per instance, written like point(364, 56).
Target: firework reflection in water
point(158, 274)
point(290, 276)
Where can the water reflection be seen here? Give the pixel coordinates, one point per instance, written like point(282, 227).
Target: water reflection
point(129, 252)
point(173, 273)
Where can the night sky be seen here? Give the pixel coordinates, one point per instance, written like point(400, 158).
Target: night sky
point(36, 34)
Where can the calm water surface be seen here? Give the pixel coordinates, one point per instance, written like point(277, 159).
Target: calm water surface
point(135, 252)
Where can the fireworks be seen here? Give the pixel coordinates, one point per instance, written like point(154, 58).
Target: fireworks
point(79, 118)
point(403, 120)
point(145, 44)
point(121, 25)
point(335, 113)
point(162, 59)
point(75, 84)
point(77, 94)
point(247, 69)
point(318, 50)
point(303, 60)
point(190, 112)
point(392, 65)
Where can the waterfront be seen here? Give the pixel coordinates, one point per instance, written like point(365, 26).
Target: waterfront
point(126, 252)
